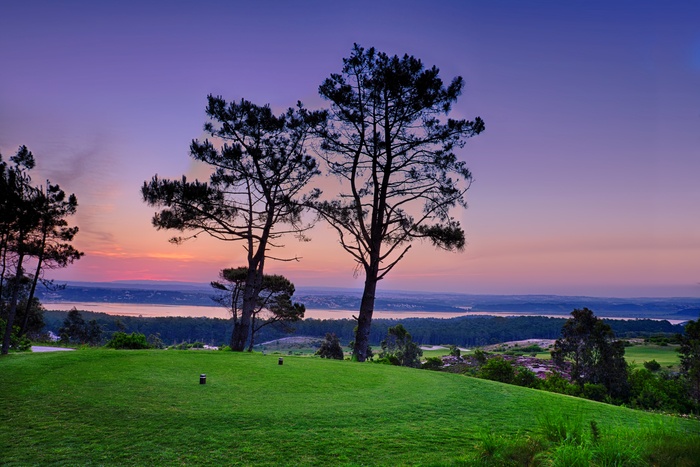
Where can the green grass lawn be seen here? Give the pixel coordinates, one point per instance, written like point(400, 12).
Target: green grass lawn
point(108, 407)
point(666, 355)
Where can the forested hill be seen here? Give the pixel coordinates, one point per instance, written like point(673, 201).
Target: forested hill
point(164, 293)
point(462, 331)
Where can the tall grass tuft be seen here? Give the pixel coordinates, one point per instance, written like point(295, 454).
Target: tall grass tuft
point(494, 449)
point(663, 446)
point(558, 429)
point(616, 449)
point(570, 454)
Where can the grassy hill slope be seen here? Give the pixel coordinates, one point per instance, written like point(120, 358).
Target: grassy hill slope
point(106, 407)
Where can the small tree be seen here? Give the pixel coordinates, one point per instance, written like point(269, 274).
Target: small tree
point(274, 301)
point(596, 356)
point(19, 217)
point(498, 369)
point(32, 225)
point(121, 340)
point(391, 146)
point(399, 348)
point(689, 351)
point(93, 332)
point(74, 327)
point(255, 194)
point(18, 342)
point(330, 348)
point(51, 239)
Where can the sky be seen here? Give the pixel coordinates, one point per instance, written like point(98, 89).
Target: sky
point(586, 177)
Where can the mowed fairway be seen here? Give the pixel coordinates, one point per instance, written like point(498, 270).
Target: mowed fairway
point(107, 407)
point(665, 355)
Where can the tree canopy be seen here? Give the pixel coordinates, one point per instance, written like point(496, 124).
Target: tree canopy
point(398, 347)
point(33, 226)
point(689, 351)
point(274, 302)
point(596, 356)
point(330, 348)
point(389, 142)
point(256, 191)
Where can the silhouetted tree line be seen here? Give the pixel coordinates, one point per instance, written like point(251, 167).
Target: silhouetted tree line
point(462, 331)
point(34, 236)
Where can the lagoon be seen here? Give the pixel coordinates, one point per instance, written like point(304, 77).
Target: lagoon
point(153, 311)
point(147, 310)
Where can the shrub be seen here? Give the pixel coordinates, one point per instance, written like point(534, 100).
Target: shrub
point(498, 369)
point(532, 348)
point(432, 363)
point(595, 392)
point(526, 378)
point(652, 365)
point(17, 343)
point(330, 348)
point(155, 341)
point(554, 382)
point(122, 340)
point(398, 347)
point(480, 356)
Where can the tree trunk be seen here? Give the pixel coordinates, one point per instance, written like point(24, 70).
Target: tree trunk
point(239, 334)
point(32, 291)
point(364, 321)
point(233, 334)
point(13, 307)
point(241, 329)
point(252, 334)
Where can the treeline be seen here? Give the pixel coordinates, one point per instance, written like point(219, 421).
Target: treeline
point(462, 331)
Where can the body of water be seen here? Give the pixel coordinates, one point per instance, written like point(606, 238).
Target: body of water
point(153, 311)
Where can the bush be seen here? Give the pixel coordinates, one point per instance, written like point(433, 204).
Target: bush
point(480, 356)
point(594, 392)
point(432, 363)
point(498, 369)
point(122, 340)
point(555, 382)
point(17, 343)
point(526, 378)
point(155, 341)
point(652, 365)
point(532, 348)
point(330, 348)
point(400, 349)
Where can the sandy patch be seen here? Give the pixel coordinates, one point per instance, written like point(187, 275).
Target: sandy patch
point(42, 348)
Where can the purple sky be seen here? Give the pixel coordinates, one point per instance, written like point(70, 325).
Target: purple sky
point(586, 175)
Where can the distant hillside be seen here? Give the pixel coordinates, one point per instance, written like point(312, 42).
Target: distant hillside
point(177, 293)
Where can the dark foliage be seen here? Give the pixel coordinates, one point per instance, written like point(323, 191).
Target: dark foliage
point(273, 306)
point(464, 331)
point(330, 348)
point(76, 329)
point(398, 347)
point(121, 340)
point(689, 351)
point(255, 193)
point(18, 343)
point(390, 143)
point(33, 226)
point(497, 369)
point(596, 356)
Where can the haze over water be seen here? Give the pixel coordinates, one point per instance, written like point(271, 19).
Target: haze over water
point(155, 311)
